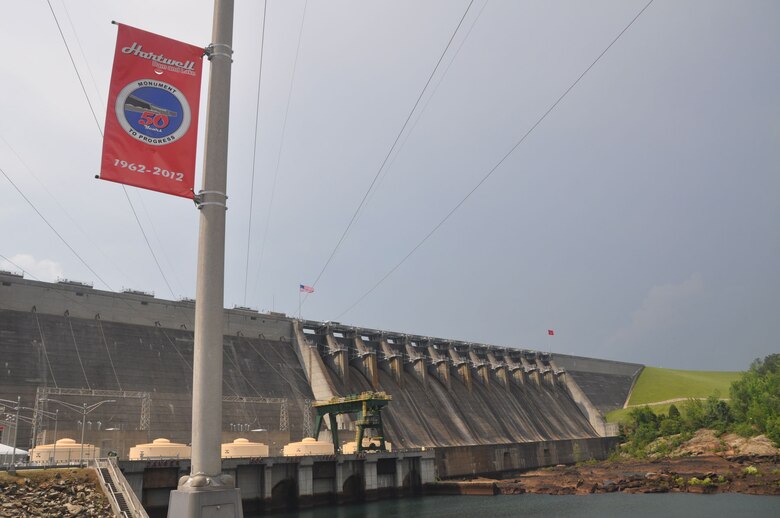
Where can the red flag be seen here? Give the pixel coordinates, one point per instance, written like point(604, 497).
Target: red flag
point(550, 332)
point(152, 117)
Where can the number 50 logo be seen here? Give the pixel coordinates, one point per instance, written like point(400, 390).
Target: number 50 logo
point(158, 120)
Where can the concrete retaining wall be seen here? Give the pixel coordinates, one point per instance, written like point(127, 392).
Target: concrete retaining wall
point(606, 383)
point(492, 459)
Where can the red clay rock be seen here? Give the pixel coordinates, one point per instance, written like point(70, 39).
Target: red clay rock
point(703, 474)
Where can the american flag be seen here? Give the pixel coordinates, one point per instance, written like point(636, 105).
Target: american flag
point(306, 289)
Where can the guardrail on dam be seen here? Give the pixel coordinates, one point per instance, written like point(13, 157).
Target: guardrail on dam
point(71, 342)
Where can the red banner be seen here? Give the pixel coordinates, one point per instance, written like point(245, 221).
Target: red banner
point(152, 118)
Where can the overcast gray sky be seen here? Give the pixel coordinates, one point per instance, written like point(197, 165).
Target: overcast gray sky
point(639, 220)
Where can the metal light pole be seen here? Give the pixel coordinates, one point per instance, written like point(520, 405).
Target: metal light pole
point(18, 403)
point(83, 429)
point(207, 488)
point(28, 420)
point(54, 448)
point(84, 410)
point(16, 436)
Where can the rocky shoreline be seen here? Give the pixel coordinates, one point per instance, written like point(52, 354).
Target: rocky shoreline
point(52, 494)
point(704, 474)
point(705, 463)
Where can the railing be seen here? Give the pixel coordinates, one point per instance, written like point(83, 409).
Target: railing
point(118, 490)
point(21, 462)
point(108, 489)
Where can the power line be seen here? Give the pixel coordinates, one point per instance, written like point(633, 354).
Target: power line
point(392, 148)
point(81, 49)
point(495, 167)
point(281, 146)
point(165, 258)
point(70, 296)
point(254, 151)
point(19, 267)
point(421, 112)
point(70, 55)
point(151, 250)
point(55, 230)
point(100, 130)
point(146, 239)
point(64, 210)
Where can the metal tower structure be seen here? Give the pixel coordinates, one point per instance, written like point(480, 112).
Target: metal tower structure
point(367, 405)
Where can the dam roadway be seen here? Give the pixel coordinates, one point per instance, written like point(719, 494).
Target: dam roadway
point(480, 408)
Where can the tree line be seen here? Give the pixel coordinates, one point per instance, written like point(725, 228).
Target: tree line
point(753, 409)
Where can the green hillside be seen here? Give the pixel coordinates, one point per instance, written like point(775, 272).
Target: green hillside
point(655, 385)
point(621, 415)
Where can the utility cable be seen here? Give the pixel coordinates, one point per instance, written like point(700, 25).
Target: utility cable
point(421, 111)
point(17, 266)
point(292, 385)
point(73, 299)
point(100, 130)
point(45, 352)
point(64, 293)
point(73, 62)
point(110, 360)
point(392, 148)
point(81, 49)
point(78, 355)
point(62, 207)
point(281, 147)
point(30, 203)
point(148, 244)
point(254, 151)
point(154, 234)
point(494, 168)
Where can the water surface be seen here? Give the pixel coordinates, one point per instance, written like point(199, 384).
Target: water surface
point(604, 505)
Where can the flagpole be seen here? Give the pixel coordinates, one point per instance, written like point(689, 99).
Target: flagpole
point(206, 488)
point(299, 304)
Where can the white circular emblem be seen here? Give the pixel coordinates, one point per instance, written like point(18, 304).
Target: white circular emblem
point(153, 112)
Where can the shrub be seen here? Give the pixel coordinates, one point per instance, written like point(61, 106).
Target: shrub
point(717, 414)
point(745, 429)
point(694, 415)
point(756, 397)
point(710, 413)
point(643, 415)
point(669, 427)
point(772, 429)
point(750, 470)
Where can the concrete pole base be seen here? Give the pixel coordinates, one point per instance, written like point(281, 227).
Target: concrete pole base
point(188, 502)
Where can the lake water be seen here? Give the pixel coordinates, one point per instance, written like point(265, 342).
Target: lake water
point(606, 505)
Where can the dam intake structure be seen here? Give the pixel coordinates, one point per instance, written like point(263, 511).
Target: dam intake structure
point(71, 342)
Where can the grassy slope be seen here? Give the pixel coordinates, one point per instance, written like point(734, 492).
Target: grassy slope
point(656, 384)
point(621, 415)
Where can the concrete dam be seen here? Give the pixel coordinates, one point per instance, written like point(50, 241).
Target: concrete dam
point(69, 342)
